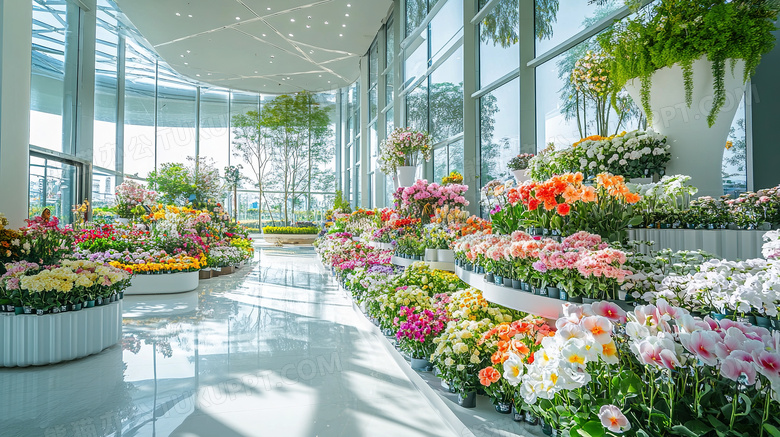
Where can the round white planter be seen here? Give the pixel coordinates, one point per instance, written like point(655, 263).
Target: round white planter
point(163, 284)
point(696, 148)
point(521, 175)
point(407, 176)
point(290, 238)
point(29, 340)
point(446, 256)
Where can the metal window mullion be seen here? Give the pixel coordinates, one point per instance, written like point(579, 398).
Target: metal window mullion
point(444, 58)
point(423, 25)
point(119, 152)
point(156, 89)
point(484, 11)
point(498, 83)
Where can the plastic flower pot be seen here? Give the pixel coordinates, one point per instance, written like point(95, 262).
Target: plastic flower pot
point(525, 286)
point(553, 292)
point(763, 322)
point(516, 284)
point(421, 365)
point(503, 407)
point(498, 280)
point(575, 299)
point(530, 418)
point(28, 309)
point(90, 304)
point(489, 277)
point(507, 282)
point(517, 416)
point(546, 427)
point(77, 307)
point(467, 400)
point(564, 295)
point(588, 300)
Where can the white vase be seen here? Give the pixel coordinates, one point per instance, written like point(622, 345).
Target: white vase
point(446, 256)
point(696, 148)
point(521, 175)
point(431, 255)
point(407, 175)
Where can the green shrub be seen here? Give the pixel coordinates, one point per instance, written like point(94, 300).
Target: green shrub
point(290, 230)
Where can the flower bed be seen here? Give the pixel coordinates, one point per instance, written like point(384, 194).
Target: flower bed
point(291, 230)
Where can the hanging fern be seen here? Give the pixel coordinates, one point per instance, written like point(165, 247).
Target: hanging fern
point(669, 32)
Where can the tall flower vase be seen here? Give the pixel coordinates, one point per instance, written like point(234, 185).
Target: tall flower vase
point(521, 175)
point(696, 148)
point(407, 175)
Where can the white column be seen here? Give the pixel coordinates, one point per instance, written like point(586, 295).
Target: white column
point(15, 60)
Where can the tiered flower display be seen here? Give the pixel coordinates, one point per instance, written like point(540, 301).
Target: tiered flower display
point(421, 199)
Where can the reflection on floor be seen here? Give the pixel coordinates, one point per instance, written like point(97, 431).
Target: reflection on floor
point(274, 349)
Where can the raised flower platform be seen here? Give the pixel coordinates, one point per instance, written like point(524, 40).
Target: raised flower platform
point(541, 306)
point(167, 283)
point(290, 238)
point(723, 243)
point(449, 267)
point(29, 340)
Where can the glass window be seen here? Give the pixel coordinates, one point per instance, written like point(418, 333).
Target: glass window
point(498, 41)
point(389, 87)
point(215, 126)
point(446, 28)
point(372, 103)
point(389, 121)
point(440, 163)
point(242, 103)
point(103, 186)
point(373, 146)
point(446, 98)
point(175, 117)
point(53, 185)
point(417, 107)
point(54, 49)
point(416, 61)
point(416, 10)
point(104, 133)
point(555, 24)
point(456, 157)
point(735, 157)
point(139, 110)
point(373, 64)
point(390, 43)
point(499, 130)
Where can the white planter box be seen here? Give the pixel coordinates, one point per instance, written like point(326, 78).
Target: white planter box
point(29, 340)
point(723, 243)
point(163, 284)
point(446, 256)
point(292, 238)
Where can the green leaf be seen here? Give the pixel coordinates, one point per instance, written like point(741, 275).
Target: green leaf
point(772, 430)
point(692, 428)
point(592, 429)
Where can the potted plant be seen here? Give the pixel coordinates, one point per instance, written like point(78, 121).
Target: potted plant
point(686, 62)
point(402, 152)
point(519, 166)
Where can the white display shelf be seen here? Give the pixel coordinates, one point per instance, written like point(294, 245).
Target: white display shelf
point(163, 284)
point(524, 301)
point(397, 260)
point(723, 243)
point(290, 238)
point(30, 340)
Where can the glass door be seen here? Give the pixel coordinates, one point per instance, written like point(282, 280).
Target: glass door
point(55, 184)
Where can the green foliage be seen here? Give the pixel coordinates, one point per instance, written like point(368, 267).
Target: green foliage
point(341, 204)
point(291, 230)
point(672, 32)
point(177, 183)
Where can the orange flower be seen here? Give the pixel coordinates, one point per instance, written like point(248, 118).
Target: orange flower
point(488, 376)
point(588, 194)
point(632, 198)
point(570, 194)
point(564, 209)
point(549, 206)
point(499, 357)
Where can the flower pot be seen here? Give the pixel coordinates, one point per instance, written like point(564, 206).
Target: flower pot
point(546, 427)
point(489, 277)
point(553, 292)
point(77, 307)
point(587, 300)
point(521, 175)
point(575, 299)
point(503, 407)
point(469, 267)
point(498, 280)
point(446, 256)
point(718, 316)
point(28, 309)
point(516, 284)
point(206, 274)
point(517, 416)
point(407, 175)
point(747, 319)
point(90, 304)
point(763, 322)
point(696, 148)
point(530, 418)
point(421, 365)
point(775, 323)
point(99, 301)
point(525, 286)
point(41, 312)
point(431, 255)
point(564, 295)
point(121, 294)
point(468, 400)
point(507, 282)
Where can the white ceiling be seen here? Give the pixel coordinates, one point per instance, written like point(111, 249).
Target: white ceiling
point(270, 46)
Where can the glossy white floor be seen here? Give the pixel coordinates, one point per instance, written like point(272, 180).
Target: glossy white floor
point(275, 349)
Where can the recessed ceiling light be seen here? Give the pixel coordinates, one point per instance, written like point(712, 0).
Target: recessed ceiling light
point(288, 77)
point(186, 63)
point(320, 75)
point(343, 25)
point(188, 51)
point(178, 14)
point(311, 52)
point(255, 71)
point(189, 15)
point(292, 20)
point(268, 9)
point(209, 74)
point(346, 15)
point(328, 81)
point(308, 26)
point(271, 62)
point(291, 35)
point(309, 17)
point(197, 75)
point(238, 18)
point(181, 56)
point(263, 34)
point(326, 22)
point(341, 34)
point(349, 5)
